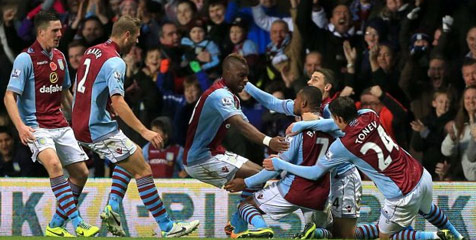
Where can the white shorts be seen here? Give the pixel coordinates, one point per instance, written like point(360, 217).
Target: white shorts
point(271, 201)
point(218, 170)
point(61, 140)
point(115, 148)
point(399, 213)
point(346, 194)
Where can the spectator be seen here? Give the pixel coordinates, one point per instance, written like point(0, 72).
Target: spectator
point(15, 159)
point(471, 41)
point(198, 48)
point(460, 142)
point(186, 13)
point(75, 52)
point(241, 45)
point(312, 62)
point(469, 72)
point(128, 8)
point(167, 161)
point(217, 27)
point(148, 12)
point(429, 132)
point(393, 116)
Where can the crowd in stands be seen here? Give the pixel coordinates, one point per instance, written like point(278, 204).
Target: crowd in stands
point(411, 61)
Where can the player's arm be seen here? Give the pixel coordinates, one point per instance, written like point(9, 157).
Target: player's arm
point(323, 125)
point(269, 101)
point(66, 101)
point(22, 68)
point(278, 144)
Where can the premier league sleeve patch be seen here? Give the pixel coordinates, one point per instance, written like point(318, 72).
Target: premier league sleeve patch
point(117, 75)
point(227, 101)
point(16, 73)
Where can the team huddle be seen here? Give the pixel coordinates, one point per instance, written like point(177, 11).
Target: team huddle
point(321, 155)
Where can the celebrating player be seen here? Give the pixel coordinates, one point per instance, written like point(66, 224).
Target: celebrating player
point(98, 94)
point(406, 185)
point(205, 158)
point(38, 85)
point(346, 184)
point(291, 192)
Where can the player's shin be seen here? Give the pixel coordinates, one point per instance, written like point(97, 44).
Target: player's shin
point(439, 219)
point(120, 181)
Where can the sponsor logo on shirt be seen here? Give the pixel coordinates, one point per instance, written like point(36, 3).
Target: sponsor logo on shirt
point(51, 89)
point(16, 73)
point(41, 63)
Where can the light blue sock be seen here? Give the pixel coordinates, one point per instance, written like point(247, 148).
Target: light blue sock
point(238, 223)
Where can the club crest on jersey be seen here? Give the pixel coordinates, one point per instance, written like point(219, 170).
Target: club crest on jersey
point(53, 77)
point(60, 64)
point(16, 73)
point(119, 150)
point(227, 101)
point(169, 156)
point(53, 66)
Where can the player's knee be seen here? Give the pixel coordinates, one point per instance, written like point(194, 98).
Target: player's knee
point(144, 170)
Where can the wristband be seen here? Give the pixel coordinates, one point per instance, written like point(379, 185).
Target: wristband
point(266, 140)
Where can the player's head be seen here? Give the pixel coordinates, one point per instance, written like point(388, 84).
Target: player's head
point(308, 99)
point(48, 29)
point(235, 72)
point(323, 79)
point(6, 141)
point(125, 32)
point(162, 126)
point(343, 111)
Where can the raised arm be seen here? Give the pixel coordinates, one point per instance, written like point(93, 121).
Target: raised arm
point(269, 101)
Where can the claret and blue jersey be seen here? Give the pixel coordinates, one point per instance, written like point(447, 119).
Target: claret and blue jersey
point(367, 146)
point(208, 124)
point(100, 76)
point(39, 77)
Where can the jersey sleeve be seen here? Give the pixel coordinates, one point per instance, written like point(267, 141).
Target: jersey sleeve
point(224, 103)
point(21, 72)
point(293, 150)
point(323, 125)
point(260, 178)
point(114, 72)
point(269, 101)
point(67, 79)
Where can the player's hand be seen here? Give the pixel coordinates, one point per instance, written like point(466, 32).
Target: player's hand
point(236, 185)
point(26, 134)
point(154, 138)
point(268, 164)
point(279, 144)
point(442, 169)
point(347, 91)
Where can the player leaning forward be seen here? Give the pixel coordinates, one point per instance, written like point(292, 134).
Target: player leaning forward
point(406, 185)
point(38, 85)
point(100, 88)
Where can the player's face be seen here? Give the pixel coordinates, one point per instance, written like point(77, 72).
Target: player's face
point(6, 144)
point(237, 77)
point(317, 80)
point(470, 100)
point(52, 34)
point(130, 41)
point(297, 105)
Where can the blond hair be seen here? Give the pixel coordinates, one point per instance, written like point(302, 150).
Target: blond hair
point(125, 24)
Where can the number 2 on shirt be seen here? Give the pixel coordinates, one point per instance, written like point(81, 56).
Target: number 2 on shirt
point(81, 87)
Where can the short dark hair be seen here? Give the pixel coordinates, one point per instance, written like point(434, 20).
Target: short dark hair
point(7, 130)
point(164, 124)
point(344, 107)
point(212, 3)
point(161, 28)
point(43, 18)
point(468, 61)
point(313, 96)
point(329, 76)
point(76, 43)
point(231, 58)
